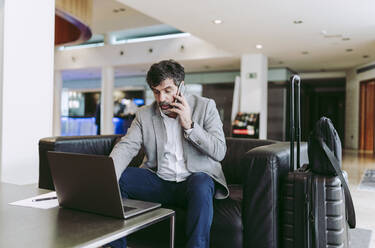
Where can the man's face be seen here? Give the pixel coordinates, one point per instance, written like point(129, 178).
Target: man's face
point(165, 94)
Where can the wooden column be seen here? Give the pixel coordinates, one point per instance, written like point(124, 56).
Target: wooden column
point(367, 116)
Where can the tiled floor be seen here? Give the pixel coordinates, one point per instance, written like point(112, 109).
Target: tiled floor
point(355, 163)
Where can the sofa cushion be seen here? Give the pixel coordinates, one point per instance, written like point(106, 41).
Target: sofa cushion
point(227, 228)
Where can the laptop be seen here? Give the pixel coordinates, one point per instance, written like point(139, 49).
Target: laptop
point(88, 183)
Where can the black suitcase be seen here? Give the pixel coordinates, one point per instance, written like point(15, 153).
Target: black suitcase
point(312, 206)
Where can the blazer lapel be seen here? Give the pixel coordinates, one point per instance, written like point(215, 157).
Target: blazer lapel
point(160, 133)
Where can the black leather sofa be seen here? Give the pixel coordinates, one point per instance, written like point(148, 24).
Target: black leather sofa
point(248, 218)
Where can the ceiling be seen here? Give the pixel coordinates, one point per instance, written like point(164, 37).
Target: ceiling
point(333, 36)
point(109, 16)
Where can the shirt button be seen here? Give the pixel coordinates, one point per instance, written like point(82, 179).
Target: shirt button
point(198, 142)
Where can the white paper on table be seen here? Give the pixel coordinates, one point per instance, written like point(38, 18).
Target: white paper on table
point(38, 204)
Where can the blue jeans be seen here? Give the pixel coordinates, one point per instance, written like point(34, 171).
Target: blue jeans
point(195, 194)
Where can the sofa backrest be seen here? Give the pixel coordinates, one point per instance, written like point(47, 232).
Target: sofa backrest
point(99, 145)
point(103, 145)
point(87, 144)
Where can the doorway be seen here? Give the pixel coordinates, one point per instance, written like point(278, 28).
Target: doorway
point(367, 115)
point(319, 97)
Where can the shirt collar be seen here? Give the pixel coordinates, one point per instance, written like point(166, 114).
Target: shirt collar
point(162, 114)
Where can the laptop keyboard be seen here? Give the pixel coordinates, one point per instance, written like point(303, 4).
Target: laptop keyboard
point(128, 208)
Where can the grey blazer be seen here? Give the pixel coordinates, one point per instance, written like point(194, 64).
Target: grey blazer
point(203, 149)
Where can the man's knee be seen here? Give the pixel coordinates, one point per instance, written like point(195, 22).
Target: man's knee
point(129, 179)
point(128, 173)
point(200, 183)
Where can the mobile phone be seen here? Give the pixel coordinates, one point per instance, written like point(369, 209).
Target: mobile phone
point(179, 90)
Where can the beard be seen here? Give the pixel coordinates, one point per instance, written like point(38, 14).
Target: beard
point(165, 108)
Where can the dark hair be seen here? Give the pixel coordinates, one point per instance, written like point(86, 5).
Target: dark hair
point(163, 70)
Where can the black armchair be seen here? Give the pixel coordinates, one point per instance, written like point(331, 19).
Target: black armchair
point(248, 218)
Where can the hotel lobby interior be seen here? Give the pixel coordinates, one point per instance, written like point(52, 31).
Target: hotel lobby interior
point(77, 85)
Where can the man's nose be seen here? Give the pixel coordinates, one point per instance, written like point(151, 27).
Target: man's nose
point(162, 97)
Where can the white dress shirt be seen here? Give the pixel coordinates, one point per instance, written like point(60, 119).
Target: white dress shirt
point(173, 164)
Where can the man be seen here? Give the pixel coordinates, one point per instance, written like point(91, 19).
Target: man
point(184, 143)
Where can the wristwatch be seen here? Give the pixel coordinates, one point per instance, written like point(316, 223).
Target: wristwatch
point(187, 132)
point(192, 125)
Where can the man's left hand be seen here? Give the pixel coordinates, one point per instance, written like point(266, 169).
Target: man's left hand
point(182, 108)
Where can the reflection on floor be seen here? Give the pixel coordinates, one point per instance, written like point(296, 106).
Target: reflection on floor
point(355, 164)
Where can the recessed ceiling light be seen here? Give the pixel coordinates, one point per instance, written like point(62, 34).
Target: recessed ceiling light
point(259, 46)
point(298, 22)
point(349, 50)
point(305, 52)
point(366, 56)
point(330, 36)
point(118, 10)
point(345, 38)
point(217, 21)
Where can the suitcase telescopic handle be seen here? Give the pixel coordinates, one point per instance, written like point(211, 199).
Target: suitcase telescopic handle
point(295, 113)
point(297, 80)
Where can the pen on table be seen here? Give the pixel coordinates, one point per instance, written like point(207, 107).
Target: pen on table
point(45, 199)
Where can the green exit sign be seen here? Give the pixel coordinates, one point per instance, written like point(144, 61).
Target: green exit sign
point(252, 75)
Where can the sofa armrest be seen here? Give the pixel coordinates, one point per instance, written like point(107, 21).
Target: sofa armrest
point(267, 165)
point(96, 144)
point(236, 150)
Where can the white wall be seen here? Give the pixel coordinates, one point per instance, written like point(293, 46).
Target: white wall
point(325, 75)
point(253, 91)
point(1, 76)
point(57, 101)
point(352, 104)
point(106, 100)
point(27, 86)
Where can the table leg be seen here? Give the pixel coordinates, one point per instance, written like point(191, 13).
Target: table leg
point(172, 226)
